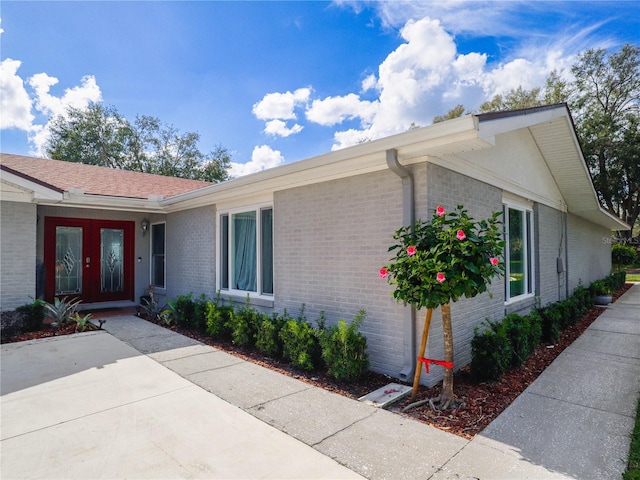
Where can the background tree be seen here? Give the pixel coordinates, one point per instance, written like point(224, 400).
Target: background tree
point(455, 112)
point(99, 135)
point(606, 102)
point(513, 100)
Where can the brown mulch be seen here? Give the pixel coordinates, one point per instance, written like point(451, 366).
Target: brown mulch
point(483, 401)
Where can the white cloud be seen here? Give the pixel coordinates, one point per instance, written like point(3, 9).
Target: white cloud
point(426, 76)
point(51, 106)
point(15, 102)
point(333, 110)
point(263, 157)
point(369, 83)
point(78, 97)
point(279, 128)
point(281, 105)
point(18, 104)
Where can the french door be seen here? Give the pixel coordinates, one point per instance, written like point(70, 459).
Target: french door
point(88, 259)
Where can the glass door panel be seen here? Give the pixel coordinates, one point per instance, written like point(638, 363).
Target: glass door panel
point(69, 258)
point(111, 260)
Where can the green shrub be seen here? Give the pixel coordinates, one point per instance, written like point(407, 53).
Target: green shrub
point(183, 310)
point(300, 343)
point(218, 319)
point(491, 352)
point(584, 299)
point(243, 323)
point(199, 321)
point(623, 255)
point(551, 323)
point(344, 350)
point(32, 316)
point(268, 335)
point(616, 280)
point(524, 336)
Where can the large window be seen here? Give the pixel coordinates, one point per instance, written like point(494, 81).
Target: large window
point(157, 255)
point(518, 252)
point(246, 251)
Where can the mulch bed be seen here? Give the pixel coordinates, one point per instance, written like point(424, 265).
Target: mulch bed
point(483, 401)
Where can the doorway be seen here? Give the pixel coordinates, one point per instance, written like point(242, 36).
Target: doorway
point(88, 259)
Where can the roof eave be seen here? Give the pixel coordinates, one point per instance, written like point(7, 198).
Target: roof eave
point(447, 137)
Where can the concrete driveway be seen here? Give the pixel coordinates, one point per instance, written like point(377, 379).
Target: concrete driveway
point(90, 406)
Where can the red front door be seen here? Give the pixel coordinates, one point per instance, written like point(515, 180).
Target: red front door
point(89, 259)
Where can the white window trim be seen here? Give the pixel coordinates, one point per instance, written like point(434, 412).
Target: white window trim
point(232, 291)
point(156, 288)
point(524, 207)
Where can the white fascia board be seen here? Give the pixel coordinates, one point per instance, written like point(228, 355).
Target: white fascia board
point(103, 202)
point(602, 217)
point(363, 158)
point(489, 128)
point(36, 190)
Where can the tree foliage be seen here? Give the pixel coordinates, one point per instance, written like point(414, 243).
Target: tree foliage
point(606, 101)
point(99, 135)
point(455, 112)
point(449, 257)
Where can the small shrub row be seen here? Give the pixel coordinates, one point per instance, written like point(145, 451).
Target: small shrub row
point(506, 344)
point(339, 349)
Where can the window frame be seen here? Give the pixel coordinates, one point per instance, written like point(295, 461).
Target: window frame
point(529, 270)
point(151, 257)
point(225, 287)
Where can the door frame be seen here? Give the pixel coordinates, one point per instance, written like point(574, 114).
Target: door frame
point(91, 248)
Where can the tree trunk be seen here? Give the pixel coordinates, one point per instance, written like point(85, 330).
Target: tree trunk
point(447, 398)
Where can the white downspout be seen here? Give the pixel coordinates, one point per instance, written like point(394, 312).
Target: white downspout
point(408, 216)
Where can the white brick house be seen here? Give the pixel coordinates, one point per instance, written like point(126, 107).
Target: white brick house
point(316, 231)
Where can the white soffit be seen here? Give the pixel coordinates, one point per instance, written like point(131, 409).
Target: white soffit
point(553, 132)
point(19, 189)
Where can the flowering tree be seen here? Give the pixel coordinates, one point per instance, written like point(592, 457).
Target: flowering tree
point(438, 262)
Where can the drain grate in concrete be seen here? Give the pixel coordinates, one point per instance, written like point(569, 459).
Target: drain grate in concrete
point(386, 395)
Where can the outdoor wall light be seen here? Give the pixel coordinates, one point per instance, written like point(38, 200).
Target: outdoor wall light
point(145, 226)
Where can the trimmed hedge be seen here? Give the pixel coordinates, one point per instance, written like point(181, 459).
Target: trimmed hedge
point(339, 349)
point(508, 343)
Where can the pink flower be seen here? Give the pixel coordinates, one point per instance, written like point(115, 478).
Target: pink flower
point(384, 273)
point(411, 251)
point(494, 261)
point(440, 211)
point(461, 236)
point(440, 277)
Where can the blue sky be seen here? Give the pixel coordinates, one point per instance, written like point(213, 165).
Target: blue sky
point(276, 82)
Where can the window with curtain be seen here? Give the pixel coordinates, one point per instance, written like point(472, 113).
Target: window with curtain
point(518, 252)
point(157, 255)
point(246, 251)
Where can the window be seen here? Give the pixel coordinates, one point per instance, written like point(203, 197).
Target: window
point(246, 251)
point(157, 254)
point(519, 278)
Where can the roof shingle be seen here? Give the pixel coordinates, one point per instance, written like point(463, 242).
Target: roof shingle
point(94, 180)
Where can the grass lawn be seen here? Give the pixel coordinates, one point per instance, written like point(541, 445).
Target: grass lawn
point(633, 277)
point(633, 470)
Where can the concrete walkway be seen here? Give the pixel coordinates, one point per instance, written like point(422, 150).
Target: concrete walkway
point(145, 402)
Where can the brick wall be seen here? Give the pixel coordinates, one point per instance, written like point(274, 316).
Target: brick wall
point(18, 259)
point(550, 239)
point(331, 239)
point(190, 252)
point(589, 252)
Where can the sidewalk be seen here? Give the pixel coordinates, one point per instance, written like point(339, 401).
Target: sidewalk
point(573, 422)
